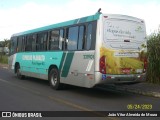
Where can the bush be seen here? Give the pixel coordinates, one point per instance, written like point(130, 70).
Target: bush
point(3, 59)
point(153, 71)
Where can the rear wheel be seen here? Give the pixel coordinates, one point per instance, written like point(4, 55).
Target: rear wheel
point(54, 79)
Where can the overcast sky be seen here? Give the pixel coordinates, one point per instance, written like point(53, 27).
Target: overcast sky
point(21, 15)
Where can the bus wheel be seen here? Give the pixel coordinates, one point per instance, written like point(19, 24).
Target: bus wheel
point(18, 73)
point(54, 79)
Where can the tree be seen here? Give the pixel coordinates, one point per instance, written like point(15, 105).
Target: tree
point(6, 43)
point(3, 44)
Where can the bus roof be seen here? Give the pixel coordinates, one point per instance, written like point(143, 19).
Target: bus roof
point(62, 24)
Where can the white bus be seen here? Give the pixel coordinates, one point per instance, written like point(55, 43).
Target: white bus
point(88, 51)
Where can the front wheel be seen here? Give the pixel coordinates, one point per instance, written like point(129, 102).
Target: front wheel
point(18, 73)
point(54, 79)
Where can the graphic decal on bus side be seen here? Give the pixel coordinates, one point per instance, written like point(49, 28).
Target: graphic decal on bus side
point(62, 61)
point(67, 63)
point(122, 62)
point(36, 59)
point(89, 65)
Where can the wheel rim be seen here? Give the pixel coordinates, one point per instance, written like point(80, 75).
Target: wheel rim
point(54, 78)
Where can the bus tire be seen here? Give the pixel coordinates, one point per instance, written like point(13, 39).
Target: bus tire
point(18, 73)
point(54, 79)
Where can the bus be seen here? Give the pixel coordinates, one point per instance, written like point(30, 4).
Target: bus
point(89, 51)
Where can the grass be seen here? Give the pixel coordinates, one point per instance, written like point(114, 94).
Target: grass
point(4, 59)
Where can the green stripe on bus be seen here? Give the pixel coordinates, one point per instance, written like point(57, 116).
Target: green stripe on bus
point(62, 61)
point(67, 64)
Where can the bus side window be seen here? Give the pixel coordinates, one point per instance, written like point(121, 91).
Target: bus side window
point(41, 42)
point(89, 37)
point(81, 39)
point(65, 44)
point(29, 43)
point(19, 49)
point(23, 43)
point(13, 45)
point(54, 40)
point(61, 39)
point(45, 41)
point(34, 42)
point(72, 38)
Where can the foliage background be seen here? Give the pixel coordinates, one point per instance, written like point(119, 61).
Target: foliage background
point(153, 70)
point(3, 56)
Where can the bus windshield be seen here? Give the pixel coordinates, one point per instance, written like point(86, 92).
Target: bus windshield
point(124, 33)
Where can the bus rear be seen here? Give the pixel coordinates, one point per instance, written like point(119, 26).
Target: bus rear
point(122, 50)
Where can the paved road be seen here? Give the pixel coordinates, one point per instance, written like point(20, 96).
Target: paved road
point(36, 95)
